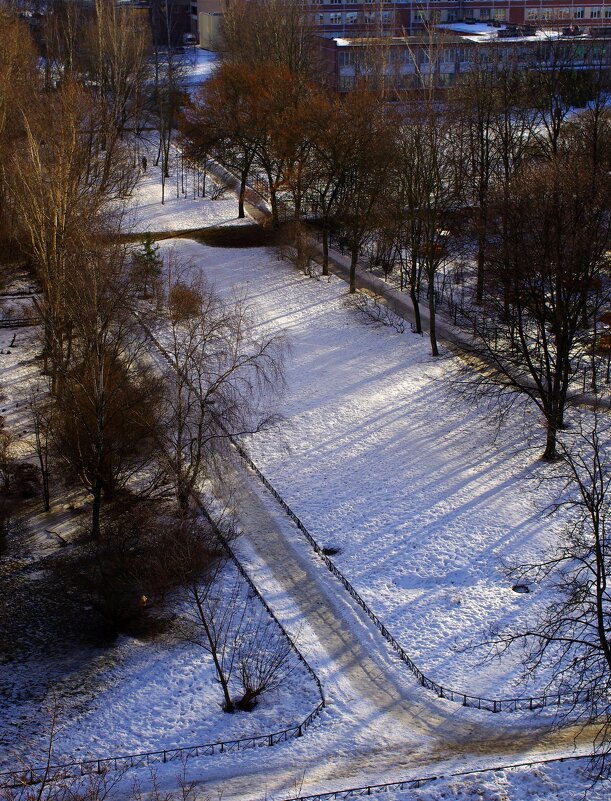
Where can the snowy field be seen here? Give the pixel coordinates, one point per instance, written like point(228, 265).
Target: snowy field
point(184, 208)
point(562, 781)
point(383, 461)
point(123, 698)
point(164, 695)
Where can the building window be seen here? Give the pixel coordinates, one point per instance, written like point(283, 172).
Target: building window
point(500, 14)
point(607, 13)
point(346, 82)
point(484, 13)
point(335, 18)
point(531, 13)
point(351, 17)
point(579, 13)
point(595, 13)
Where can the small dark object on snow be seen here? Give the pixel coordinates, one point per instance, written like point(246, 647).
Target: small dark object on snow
point(521, 588)
point(144, 163)
point(330, 551)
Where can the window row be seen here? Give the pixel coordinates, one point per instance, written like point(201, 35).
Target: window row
point(353, 17)
point(564, 12)
point(449, 15)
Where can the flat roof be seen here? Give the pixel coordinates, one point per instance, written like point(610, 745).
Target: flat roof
point(461, 32)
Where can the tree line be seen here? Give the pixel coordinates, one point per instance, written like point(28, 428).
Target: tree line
point(145, 370)
point(498, 188)
point(494, 192)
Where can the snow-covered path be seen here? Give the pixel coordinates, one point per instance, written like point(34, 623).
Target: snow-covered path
point(380, 725)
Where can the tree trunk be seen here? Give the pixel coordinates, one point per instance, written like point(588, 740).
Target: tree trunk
point(228, 706)
point(248, 701)
point(432, 323)
point(481, 257)
point(354, 255)
point(46, 492)
point(413, 293)
point(325, 246)
point(243, 180)
point(273, 199)
point(549, 454)
point(96, 509)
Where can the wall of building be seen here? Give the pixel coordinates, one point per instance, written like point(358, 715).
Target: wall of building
point(401, 63)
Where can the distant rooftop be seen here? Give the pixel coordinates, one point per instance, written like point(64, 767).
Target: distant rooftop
point(481, 32)
point(477, 32)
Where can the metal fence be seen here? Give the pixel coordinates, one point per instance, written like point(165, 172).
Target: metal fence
point(27, 776)
point(458, 696)
point(18, 322)
point(72, 769)
point(415, 784)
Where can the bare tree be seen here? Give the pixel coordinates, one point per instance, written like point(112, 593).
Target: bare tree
point(107, 399)
point(214, 621)
point(118, 48)
point(222, 381)
point(8, 459)
point(571, 638)
point(218, 123)
point(366, 159)
point(61, 191)
point(18, 83)
point(555, 230)
point(251, 655)
point(271, 32)
point(42, 415)
point(476, 96)
point(428, 195)
point(264, 656)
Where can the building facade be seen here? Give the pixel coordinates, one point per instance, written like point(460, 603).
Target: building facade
point(404, 63)
point(334, 18)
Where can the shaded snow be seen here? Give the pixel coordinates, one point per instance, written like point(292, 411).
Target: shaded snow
point(383, 461)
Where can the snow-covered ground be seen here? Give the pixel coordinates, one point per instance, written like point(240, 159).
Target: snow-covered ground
point(563, 781)
point(382, 460)
point(184, 208)
point(164, 695)
point(199, 66)
point(123, 698)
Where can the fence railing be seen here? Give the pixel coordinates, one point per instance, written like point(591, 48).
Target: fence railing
point(29, 775)
point(229, 550)
point(66, 770)
point(18, 322)
point(415, 784)
point(458, 696)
